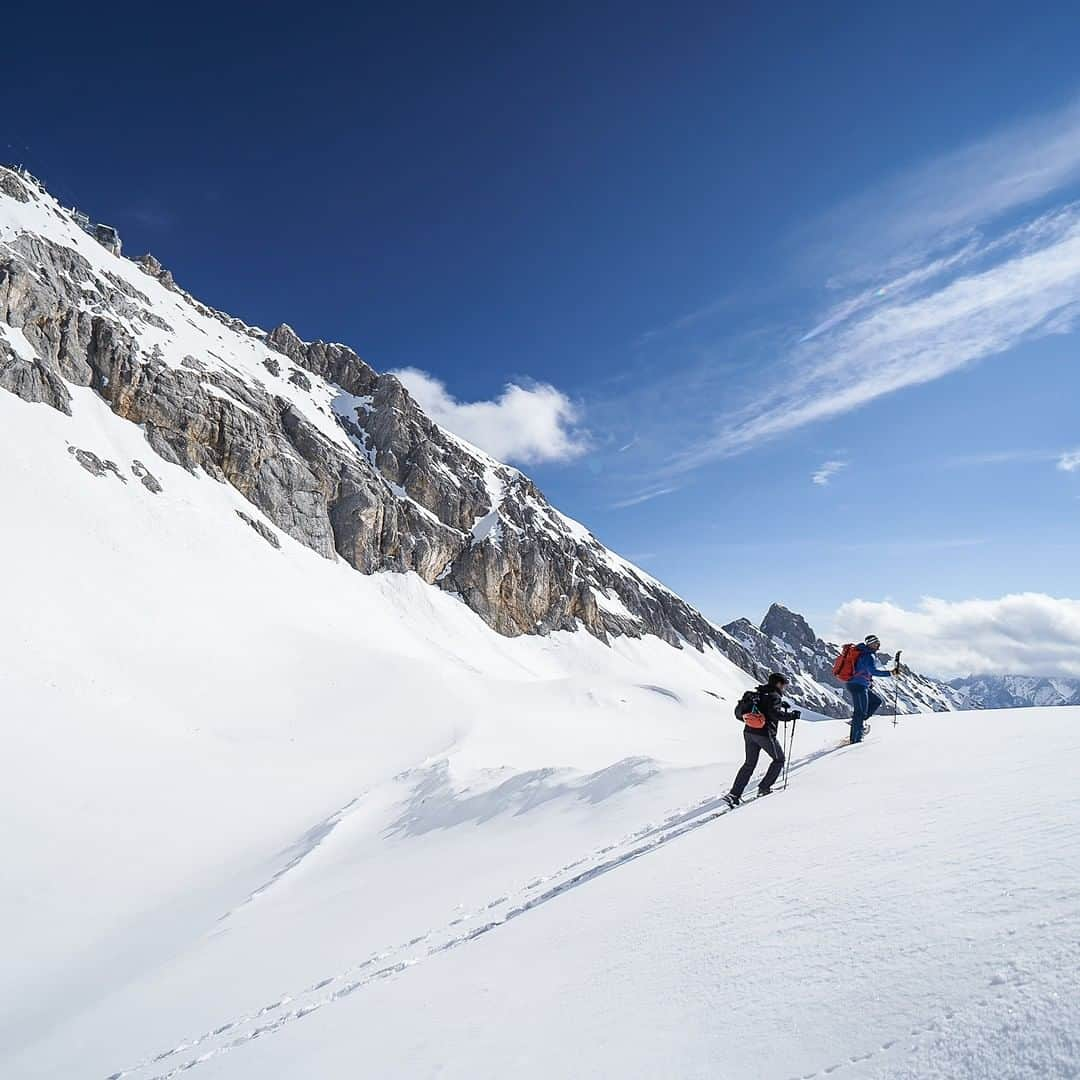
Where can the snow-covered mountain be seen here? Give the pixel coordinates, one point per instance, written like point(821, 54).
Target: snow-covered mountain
point(326, 450)
point(265, 816)
point(785, 642)
point(1016, 691)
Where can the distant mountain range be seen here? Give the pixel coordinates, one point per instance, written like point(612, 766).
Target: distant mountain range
point(1016, 691)
point(786, 642)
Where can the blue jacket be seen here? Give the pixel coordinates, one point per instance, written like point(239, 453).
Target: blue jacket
point(866, 667)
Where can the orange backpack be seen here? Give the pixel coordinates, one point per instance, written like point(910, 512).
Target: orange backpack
point(749, 710)
point(844, 668)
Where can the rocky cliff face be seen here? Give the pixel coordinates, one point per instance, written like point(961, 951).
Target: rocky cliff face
point(329, 451)
point(786, 642)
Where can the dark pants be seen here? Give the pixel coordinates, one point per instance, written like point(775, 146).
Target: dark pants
point(866, 703)
point(756, 741)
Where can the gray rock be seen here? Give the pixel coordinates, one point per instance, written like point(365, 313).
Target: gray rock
point(264, 531)
point(298, 378)
point(11, 184)
point(149, 265)
point(94, 465)
point(149, 480)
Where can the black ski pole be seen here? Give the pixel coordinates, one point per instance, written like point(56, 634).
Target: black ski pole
point(791, 747)
point(896, 687)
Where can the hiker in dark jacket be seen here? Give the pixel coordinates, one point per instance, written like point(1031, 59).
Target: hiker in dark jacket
point(772, 708)
point(860, 686)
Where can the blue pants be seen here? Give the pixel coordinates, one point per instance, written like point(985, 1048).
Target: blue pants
point(866, 703)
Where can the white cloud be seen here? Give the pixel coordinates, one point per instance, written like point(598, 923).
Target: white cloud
point(644, 496)
point(1020, 634)
point(945, 199)
point(998, 457)
point(1069, 461)
point(523, 424)
point(1031, 288)
point(827, 471)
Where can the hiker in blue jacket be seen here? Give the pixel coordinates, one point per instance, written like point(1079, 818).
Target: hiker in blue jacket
point(861, 684)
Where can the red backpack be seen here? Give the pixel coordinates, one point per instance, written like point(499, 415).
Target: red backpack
point(844, 667)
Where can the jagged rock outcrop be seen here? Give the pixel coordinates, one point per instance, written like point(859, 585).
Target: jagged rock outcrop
point(333, 454)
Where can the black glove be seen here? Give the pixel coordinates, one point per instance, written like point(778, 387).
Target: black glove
point(795, 714)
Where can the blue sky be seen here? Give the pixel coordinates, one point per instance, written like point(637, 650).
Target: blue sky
point(718, 252)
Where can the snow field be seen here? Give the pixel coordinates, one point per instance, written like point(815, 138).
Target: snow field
point(191, 706)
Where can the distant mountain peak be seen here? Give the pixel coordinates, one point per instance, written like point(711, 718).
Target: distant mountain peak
point(786, 642)
point(789, 626)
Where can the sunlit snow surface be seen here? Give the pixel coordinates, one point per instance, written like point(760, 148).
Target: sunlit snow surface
point(264, 817)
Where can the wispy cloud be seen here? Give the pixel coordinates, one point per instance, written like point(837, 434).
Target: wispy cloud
point(933, 205)
point(644, 496)
point(1030, 287)
point(1066, 460)
point(998, 457)
point(826, 472)
point(688, 319)
point(944, 265)
point(946, 543)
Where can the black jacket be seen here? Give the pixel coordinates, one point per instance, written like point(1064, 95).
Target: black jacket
point(772, 708)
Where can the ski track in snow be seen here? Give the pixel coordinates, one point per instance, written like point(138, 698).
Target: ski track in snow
point(229, 1035)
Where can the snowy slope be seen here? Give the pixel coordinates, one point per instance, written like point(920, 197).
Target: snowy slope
point(269, 817)
point(191, 712)
point(844, 929)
